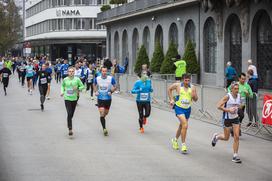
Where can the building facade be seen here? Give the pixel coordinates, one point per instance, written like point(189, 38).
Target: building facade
point(64, 29)
point(222, 30)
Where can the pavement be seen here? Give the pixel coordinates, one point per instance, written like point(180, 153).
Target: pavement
point(35, 145)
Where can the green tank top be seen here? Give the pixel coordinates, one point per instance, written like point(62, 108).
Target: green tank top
point(185, 98)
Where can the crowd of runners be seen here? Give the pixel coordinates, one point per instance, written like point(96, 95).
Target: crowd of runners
point(98, 78)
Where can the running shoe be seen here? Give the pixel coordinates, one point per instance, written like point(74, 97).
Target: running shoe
point(92, 98)
point(70, 133)
point(184, 148)
point(42, 107)
point(105, 131)
point(214, 139)
point(141, 130)
point(249, 124)
point(48, 98)
point(144, 121)
point(236, 159)
point(175, 143)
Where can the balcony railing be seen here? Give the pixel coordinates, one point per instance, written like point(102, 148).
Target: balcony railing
point(132, 7)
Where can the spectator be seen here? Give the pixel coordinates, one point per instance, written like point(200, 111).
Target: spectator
point(252, 67)
point(180, 68)
point(126, 64)
point(230, 74)
point(252, 102)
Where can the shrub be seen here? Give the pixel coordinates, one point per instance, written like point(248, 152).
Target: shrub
point(142, 58)
point(157, 58)
point(189, 56)
point(105, 7)
point(168, 66)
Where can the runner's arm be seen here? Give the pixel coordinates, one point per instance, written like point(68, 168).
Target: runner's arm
point(221, 104)
point(194, 94)
point(170, 90)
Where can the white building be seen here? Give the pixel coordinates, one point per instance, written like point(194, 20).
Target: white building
point(64, 28)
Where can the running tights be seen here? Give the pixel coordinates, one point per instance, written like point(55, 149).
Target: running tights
point(70, 108)
point(43, 90)
point(144, 109)
point(88, 88)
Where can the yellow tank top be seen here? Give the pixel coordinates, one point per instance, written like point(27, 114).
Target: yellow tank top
point(185, 98)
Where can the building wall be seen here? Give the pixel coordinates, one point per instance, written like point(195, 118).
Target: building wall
point(180, 16)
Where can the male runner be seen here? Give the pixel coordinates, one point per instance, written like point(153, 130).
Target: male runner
point(4, 74)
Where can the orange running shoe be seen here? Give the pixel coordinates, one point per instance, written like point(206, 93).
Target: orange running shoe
point(144, 121)
point(141, 130)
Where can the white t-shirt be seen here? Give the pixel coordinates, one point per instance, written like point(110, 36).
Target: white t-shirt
point(253, 67)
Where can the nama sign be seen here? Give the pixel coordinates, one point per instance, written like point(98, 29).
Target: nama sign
point(67, 12)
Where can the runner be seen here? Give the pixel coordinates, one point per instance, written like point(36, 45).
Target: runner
point(4, 74)
point(143, 88)
point(182, 107)
point(70, 87)
point(90, 79)
point(29, 76)
point(49, 71)
point(230, 104)
point(64, 69)
point(104, 87)
point(57, 72)
point(44, 81)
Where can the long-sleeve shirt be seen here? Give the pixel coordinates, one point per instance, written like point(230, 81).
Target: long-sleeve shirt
point(70, 88)
point(143, 90)
point(230, 73)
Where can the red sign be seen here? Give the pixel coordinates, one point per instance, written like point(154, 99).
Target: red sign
point(267, 110)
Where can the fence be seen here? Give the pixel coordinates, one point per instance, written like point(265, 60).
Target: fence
point(206, 106)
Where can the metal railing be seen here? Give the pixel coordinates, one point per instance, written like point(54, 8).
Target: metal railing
point(132, 7)
point(206, 107)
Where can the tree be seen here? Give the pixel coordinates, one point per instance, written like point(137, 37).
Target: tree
point(190, 58)
point(10, 25)
point(157, 58)
point(118, 1)
point(168, 66)
point(105, 7)
point(142, 58)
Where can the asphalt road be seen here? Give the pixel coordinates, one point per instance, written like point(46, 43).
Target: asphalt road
point(34, 145)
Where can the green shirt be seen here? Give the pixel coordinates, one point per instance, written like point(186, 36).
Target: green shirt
point(242, 91)
point(181, 68)
point(71, 87)
point(8, 64)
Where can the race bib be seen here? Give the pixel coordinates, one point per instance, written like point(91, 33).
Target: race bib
point(43, 80)
point(65, 72)
point(185, 103)
point(70, 92)
point(5, 75)
point(30, 71)
point(144, 96)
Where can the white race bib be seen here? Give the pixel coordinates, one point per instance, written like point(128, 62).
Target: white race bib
point(65, 72)
point(70, 92)
point(5, 75)
point(43, 80)
point(144, 96)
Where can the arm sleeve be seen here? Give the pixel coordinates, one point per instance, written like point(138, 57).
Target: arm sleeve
point(113, 82)
point(135, 89)
point(80, 85)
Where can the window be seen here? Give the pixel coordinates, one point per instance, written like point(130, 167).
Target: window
point(67, 2)
point(91, 23)
point(95, 26)
point(60, 24)
point(77, 2)
point(54, 24)
point(210, 46)
point(189, 32)
point(173, 34)
point(68, 24)
point(146, 39)
point(77, 23)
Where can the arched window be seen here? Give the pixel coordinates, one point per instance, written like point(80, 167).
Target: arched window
point(189, 32)
point(135, 46)
point(233, 42)
point(159, 36)
point(210, 46)
point(124, 46)
point(264, 48)
point(116, 45)
point(173, 34)
point(146, 39)
point(109, 44)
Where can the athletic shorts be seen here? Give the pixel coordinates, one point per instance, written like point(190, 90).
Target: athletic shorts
point(180, 111)
point(230, 122)
point(104, 103)
point(29, 78)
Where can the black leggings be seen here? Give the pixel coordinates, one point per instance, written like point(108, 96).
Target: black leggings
point(43, 91)
point(144, 109)
point(241, 113)
point(88, 88)
point(58, 77)
point(23, 74)
point(70, 108)
point(5, 84)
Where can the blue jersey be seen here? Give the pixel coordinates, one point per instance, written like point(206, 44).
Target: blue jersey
point(49, 71)
point(64, 69)
point(143, 90)
point(104, 86)
point(29, 71)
